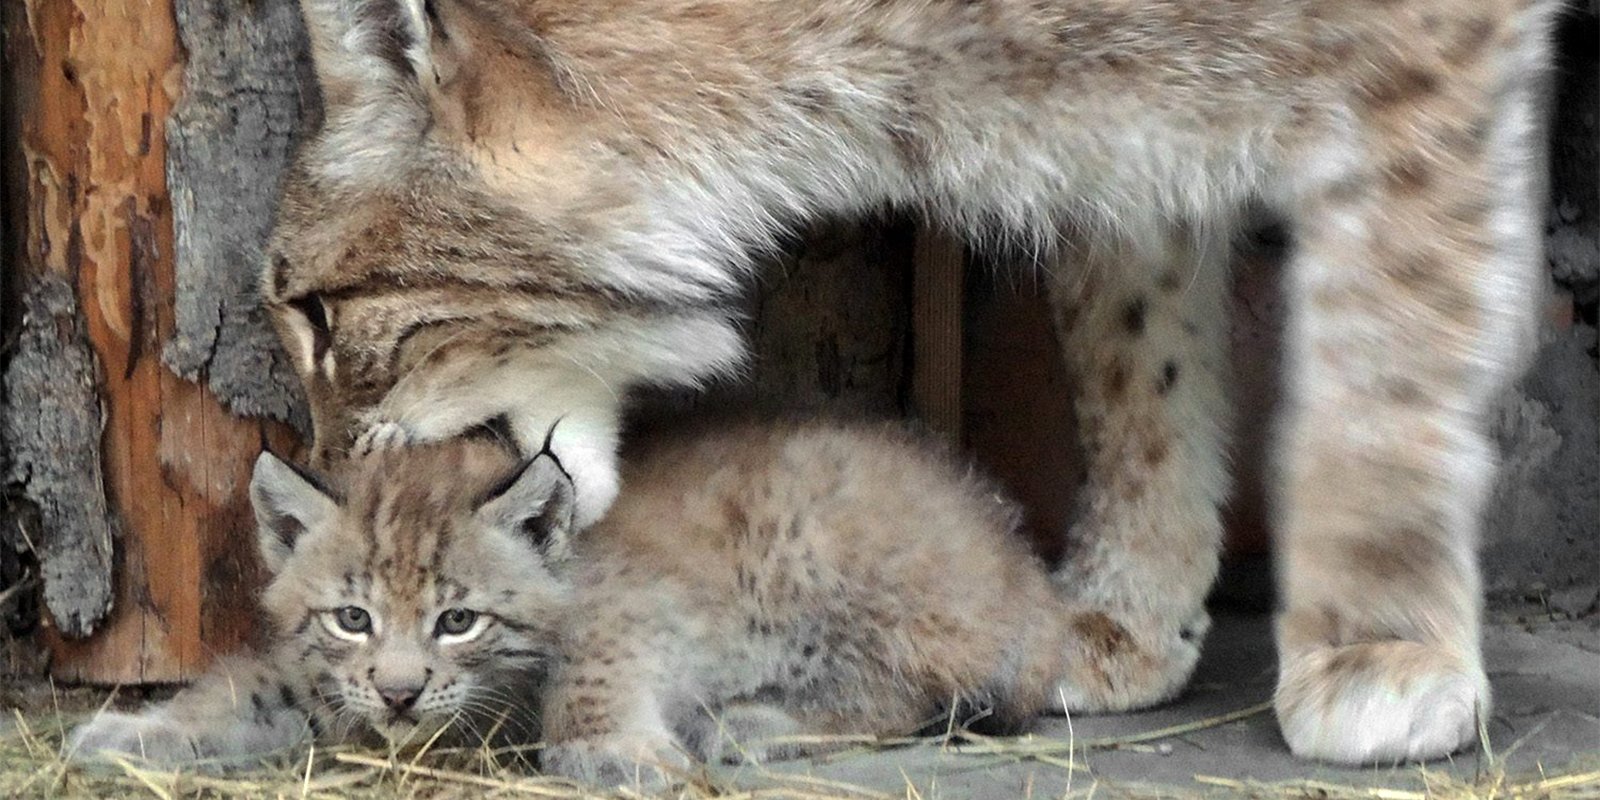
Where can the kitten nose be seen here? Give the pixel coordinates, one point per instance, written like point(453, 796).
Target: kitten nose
point(400, 698)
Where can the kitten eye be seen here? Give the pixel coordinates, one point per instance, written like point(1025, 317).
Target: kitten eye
point(353, 619)
point(455, 621)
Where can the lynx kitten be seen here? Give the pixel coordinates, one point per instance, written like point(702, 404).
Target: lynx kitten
point(751, 583)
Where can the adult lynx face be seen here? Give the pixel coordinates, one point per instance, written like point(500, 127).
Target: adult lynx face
point(412, 260)
point(417, 603)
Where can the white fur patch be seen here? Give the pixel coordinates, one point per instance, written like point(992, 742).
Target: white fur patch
point(1385, 717)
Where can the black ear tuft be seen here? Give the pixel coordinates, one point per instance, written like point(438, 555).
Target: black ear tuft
point(539, 528)
point(534, 503)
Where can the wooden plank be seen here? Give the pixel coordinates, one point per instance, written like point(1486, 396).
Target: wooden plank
point(828, 321)
point(93, 99)
point(1018, 403)
point(938, 284)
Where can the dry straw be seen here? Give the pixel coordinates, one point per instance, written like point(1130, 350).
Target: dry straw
point(32, 765)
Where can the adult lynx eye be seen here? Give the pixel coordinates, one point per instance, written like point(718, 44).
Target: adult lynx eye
point(456, 621)
point(353, 619)
point(310, 306)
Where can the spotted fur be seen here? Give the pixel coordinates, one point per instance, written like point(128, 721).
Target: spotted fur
point(400, 544)
point(755, 582)
point(526, 207)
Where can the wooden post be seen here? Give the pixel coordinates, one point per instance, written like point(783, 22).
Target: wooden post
point(91, 87)
point(828, 323)
point(829, 320)
point(1018, 404)
point(938, 284)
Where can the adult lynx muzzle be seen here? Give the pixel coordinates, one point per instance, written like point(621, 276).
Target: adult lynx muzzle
point(526, 207)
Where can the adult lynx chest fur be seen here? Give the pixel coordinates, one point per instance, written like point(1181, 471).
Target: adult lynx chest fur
point(525, 207)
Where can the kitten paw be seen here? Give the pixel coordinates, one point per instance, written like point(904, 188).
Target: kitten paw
point(641, 762)
point(150, 738)
point(1379, 702)
point(1119, 662)
point(752, 733)
point(380, 437)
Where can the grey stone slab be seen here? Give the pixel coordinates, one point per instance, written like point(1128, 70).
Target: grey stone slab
point(1547, 686)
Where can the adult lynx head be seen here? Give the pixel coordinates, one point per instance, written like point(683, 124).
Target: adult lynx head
point(423, 589)
point(456, 225)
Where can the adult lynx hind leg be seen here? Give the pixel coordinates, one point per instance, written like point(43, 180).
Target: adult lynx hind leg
point(1415, 293)
point(1142, 321)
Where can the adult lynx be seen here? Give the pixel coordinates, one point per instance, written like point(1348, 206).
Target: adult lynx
point(524, 207)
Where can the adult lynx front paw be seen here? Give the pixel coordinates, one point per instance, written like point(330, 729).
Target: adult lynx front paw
point(1379, 702)
point(380, 437)
point(152, 738)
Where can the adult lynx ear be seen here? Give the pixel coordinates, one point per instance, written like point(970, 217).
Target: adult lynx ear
point(534, 503)
point(364, 49)
point(288, 503)
point(382, 66)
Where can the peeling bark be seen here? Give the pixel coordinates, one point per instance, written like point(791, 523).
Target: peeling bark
point(92, 86)
point(52, 432)
point(228, 140)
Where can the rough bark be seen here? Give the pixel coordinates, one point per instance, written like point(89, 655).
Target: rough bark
point(92, 86)
point(245, 89)
point(53, 438)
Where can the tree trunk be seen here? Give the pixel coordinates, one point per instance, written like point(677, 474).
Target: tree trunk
point(126, 464)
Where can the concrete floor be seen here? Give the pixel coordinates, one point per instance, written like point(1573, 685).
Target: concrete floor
point(1546, 678)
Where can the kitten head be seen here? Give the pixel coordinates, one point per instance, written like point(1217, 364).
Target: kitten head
point(421, 587)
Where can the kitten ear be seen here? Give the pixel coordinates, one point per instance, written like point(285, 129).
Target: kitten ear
point(535, 503)
point(288, 503)
point(360, 45)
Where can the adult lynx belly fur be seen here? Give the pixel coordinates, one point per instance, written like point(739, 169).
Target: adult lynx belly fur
point(525, 207)
point(752, 583)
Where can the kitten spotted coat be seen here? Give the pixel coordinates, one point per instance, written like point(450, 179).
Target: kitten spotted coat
point(526, 207)
point(754, 582)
